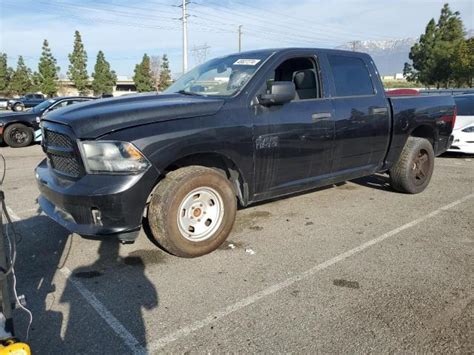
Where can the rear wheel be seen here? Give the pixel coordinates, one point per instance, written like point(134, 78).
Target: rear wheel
point(18, 107)
point(18, 135)
point(192, 211)
point(412, 173)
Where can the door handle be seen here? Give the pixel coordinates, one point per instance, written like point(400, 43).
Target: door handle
point(321, 116)
point(379, 110)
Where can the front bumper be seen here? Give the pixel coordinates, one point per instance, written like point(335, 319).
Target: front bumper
point(96, 205)
point(463, 142)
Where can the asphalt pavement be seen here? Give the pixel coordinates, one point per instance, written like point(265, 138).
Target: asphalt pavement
point(354, 268)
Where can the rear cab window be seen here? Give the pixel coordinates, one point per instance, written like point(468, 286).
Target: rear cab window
point(351, 76)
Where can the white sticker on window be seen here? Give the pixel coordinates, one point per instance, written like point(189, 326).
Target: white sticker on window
point(247, 62)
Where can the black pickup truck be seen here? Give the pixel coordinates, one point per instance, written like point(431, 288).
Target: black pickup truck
point(235, 130)
point(17, 128)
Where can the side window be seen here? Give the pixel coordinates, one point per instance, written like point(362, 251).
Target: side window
point(302, 72)
point(39, 97)
point(59, 105)
point(351, 76)
point(72, 102)
point(29, 97)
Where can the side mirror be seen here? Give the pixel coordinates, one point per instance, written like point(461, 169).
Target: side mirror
point(281, 93)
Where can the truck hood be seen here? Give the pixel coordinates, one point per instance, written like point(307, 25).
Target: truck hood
point(96, 118)
point(16, 116)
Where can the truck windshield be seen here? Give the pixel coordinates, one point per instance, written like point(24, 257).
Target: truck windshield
point(43, 106)
point(223, 76)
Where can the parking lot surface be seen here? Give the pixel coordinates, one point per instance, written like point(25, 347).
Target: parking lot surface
point(349, 268)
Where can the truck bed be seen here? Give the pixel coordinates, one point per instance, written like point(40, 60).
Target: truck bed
point(434, 114)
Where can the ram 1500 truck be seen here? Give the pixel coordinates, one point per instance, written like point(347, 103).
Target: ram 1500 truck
point(235, 130)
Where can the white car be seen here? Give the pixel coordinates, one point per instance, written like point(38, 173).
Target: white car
point(463, 131)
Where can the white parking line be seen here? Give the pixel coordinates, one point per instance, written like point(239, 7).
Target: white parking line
point(185, 331)
point(132, 343)
point(13, 215)
point(455, 166)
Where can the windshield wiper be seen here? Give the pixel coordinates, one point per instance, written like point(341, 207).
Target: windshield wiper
point(190, 93)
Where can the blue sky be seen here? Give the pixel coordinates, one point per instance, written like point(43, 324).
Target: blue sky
point(125, 30)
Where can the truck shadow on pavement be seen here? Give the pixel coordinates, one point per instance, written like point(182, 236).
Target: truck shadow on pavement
point(377, 181)
point(66, 293)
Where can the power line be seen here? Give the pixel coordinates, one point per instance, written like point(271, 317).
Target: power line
point(309, 25)
point(200, 53)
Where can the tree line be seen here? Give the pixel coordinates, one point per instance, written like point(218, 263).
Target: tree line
point(442, 57)
point(149, 75)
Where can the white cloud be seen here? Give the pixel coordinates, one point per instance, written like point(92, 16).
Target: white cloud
point(124, 32)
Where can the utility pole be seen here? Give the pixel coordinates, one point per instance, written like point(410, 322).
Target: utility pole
point(184, 19)
point(240, 38)
point(354, 45)
point(200, 53)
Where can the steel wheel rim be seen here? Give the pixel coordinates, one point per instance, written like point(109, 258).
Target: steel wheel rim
point(200, 214)
point(18, 136)
point(421, 167)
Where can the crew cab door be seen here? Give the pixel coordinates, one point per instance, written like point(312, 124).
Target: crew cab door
point(293, 141)
point(362, 115)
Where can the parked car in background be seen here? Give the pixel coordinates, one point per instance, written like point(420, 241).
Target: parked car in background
point(17, 129)
point(24, 102)
point(246, 127)
point(464, 128)
point(3, 103)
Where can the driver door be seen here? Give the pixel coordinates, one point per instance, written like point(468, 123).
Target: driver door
point(293, 142)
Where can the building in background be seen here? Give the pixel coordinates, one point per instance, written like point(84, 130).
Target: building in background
point(124, 86)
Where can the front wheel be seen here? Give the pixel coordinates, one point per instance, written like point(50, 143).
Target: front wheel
point(412, 173)
point(192, 211)
point(17, 135)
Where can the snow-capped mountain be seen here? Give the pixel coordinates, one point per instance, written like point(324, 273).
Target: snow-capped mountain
point(389, 56)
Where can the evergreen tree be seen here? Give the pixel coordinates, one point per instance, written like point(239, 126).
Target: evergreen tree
point(47, 76)
point(21, 81)
point(143, 78)
point(77, 72)
point(434, 54)
point(463, 65)
point(104, 78)
point(165, 74)
point(4, 73)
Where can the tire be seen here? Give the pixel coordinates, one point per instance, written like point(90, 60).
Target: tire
point(192, 211)
point(18, 107)
point(17, 135)
point(412, 173)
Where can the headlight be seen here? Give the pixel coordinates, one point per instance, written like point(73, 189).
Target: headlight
point(469, 129)
point(112, 157)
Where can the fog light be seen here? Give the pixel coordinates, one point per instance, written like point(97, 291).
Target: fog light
point(96, 216)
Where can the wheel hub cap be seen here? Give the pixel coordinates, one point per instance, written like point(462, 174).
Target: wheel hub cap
point(421, 166)
point(18, 136)
point(200, 214)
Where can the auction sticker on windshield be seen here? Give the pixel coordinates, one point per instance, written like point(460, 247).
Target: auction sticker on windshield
point(247, 62)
